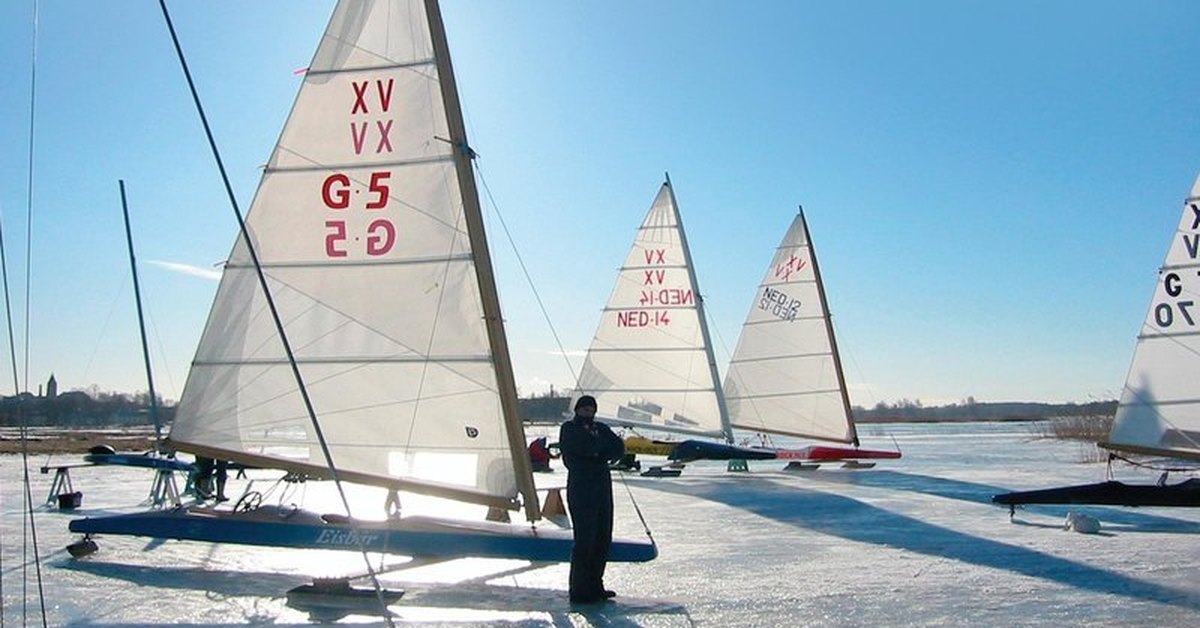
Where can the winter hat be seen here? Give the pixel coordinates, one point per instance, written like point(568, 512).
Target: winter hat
point(586, 401)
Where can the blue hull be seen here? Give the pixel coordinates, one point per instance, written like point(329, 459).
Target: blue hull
point(689, 450)
point(411, 536)
point(138, 460)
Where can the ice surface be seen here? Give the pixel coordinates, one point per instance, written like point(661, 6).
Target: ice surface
point(913, 541)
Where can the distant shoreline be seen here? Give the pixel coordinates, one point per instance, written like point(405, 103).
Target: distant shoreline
point(45, 440)
point(63, 440)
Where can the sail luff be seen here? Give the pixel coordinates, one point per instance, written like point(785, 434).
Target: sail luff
point(837, 360)
point(505, 380)
point(708, 348)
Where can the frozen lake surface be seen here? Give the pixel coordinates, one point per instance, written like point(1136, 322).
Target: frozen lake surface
point(913, 541)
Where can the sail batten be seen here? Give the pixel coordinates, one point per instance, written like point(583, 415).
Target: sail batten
point(649, 364)
point(784, 377)
point(368, 221)
point(1158, 413)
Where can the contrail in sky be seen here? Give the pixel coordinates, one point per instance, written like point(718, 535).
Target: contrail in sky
point(211, 274)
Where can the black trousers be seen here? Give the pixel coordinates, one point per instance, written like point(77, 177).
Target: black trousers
point(592, 515)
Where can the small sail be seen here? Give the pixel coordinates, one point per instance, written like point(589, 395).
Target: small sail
point(784, 377)
point(361, 227)
point(649, 364)
point(1159, 411)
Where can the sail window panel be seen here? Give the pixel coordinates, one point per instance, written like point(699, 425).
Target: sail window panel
point(816, 415)
point(679, 411)
point(653, 387)
point(375, 313)
point(357, 215)
point(1160, 401)
point(367, 412)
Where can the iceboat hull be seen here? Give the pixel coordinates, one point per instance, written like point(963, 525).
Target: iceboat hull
point(830, 453)
point(1112, 493)
point(275, 526)
point(689, 450)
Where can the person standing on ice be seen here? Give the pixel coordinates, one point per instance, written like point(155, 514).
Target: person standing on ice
point(587, 447)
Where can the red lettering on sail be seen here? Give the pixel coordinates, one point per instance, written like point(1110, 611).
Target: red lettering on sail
point(381, 235)
point(385, 98)
point(642, 318)
point(358, 134)
point(794, 264)
point(360, 101)
point(384, 139)
point(339, 197)
point(653, 277)
point(380, 187)
point(667, 296)
point(336, 235)
point(655, 256)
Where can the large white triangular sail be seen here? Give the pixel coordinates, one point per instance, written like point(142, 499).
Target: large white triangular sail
point(785, 377)
point(650, 363)
point(368, 228)
point(1159, 411)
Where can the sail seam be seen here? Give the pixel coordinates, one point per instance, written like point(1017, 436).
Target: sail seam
point(787, 394)
point(656, 390)
point(423, 161)
point(343, 360)
point(780, 320)
point(642, 349)
point(781, 357)
point(373, 68)
point(462, 257)
point(648, 307)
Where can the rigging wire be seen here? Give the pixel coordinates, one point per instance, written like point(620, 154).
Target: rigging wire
point(23, 418)
point(270, 301)
point(528, 278)
point(524, 269)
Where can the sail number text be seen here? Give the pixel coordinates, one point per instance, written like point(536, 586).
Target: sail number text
point(337, 192)
point(1165, 314)
point(778, 304)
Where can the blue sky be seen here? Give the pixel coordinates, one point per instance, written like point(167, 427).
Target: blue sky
point(990, 186)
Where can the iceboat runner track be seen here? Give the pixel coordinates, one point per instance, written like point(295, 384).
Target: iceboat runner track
point(912, 542)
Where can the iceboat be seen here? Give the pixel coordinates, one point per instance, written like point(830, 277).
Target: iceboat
point(785, 376)
point(650, 365)
point(368, 234)
point(1159, 413)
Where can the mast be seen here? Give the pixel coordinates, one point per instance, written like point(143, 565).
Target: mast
point(490, 301)
point(837, 360)
point(137, 297)
point(708, 349)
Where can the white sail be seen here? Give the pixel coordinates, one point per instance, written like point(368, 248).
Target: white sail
point(650, 364)
point(1159, 411)
point(784, 377)
point(361, 225)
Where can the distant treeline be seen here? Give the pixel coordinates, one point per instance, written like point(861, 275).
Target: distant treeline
point(550, 407)
point(81, 409)
point(94, 409)
point(970, 410)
